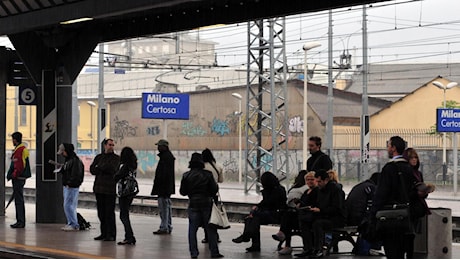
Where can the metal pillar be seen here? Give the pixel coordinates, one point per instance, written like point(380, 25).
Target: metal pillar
point(266, 123)
point(101, 109)
point(365, 135)
point(330, 93)
point(3, 80)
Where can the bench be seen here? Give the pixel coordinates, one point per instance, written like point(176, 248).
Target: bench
point(341, 234)
point(338, 234)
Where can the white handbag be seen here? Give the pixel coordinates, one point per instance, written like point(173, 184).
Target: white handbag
point(219, 217)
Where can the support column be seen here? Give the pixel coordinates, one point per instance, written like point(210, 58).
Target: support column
point(3, 79)
point(49, 199)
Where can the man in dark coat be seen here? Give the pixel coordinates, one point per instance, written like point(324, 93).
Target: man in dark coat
point(318, 160)
point(390, 191)
point(104, 167)
point(328, 213)
point(164, 186)
point(199, 185)
point(72, 177)
point(360, 199)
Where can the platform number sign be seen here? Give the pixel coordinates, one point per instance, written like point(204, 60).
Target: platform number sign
point(27, 95)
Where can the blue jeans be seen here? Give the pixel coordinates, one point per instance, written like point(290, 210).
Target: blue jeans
point(70, 205)
point(164, 206)
point(199, 217)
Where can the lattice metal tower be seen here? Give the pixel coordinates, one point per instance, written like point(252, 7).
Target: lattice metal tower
point(266, 116)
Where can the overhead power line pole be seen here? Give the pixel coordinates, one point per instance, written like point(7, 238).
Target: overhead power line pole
point(266, 123)
point(365, 135)
point(330, 93)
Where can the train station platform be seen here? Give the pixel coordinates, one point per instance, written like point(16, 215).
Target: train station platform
point(48, 241)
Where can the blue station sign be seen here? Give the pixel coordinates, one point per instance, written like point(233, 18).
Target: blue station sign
point(165, 106)
point(448, 120)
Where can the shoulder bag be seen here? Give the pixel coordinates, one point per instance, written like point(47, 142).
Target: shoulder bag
point(219, 217)
point(127, 186)
point(395, 218)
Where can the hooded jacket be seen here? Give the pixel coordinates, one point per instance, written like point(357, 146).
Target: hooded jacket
point(73, 170)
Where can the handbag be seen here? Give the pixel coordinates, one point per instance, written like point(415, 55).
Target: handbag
point(127, 186)
point(219, 217)
point(396, 217)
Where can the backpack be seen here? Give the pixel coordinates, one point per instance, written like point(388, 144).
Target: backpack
point(84, 225)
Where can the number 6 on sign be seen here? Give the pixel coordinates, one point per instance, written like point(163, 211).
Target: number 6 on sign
point(27, 95)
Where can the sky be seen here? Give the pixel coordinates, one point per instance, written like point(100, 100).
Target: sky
point(398, 32)
point(403, 31)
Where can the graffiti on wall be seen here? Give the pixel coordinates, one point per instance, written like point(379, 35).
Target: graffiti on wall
point(189, 129)
point(193, 127)
point(220, 127)
point(296, 125)
point(153, 130)
point(147, 161)
point(230, 167)
point(122, 129)
point(265, 161)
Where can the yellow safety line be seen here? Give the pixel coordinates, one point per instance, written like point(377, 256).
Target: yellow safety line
point(50, 250)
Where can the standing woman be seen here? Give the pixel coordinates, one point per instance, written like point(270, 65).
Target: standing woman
point(128, 163)
point(211, 165)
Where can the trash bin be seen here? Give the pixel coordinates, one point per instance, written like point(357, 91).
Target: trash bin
point(435, 238)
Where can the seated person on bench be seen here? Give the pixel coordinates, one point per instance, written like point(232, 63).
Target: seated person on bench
point(288, 217)
point(357, 206)
point(266, 212)
point(328, 213)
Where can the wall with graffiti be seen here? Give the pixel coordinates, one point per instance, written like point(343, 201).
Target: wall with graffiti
point(214, 122)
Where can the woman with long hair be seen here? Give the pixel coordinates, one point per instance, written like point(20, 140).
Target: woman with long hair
point(128, 165)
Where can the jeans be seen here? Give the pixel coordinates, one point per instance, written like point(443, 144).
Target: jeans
point(106, 213)
point(70, 206)
point(18, 193)
point(164, 206)
point(199, 217)
point(125, 204)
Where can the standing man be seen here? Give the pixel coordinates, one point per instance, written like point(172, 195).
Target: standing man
point(390, 190)
point(72, 177)
point(18, 172)
point(104, 167)
point(318, 160)
point(164, 186)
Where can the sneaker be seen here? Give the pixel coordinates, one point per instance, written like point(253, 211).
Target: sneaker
point(285, 251)
point(70, 228)
point(161, 232)
point(374, 252)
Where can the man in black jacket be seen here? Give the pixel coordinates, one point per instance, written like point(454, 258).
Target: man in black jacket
point(328, 212)
point(318, 160)
point(390, 191)
point(164, 186)
point(199, 185)
point(104, 167)
point(360, 199)
point(72, 177)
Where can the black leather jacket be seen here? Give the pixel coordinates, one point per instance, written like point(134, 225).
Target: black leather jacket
point(199, 186)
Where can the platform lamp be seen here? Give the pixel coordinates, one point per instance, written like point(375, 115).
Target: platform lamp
point(306, 47)
point(444, 159)
point(240, 165)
